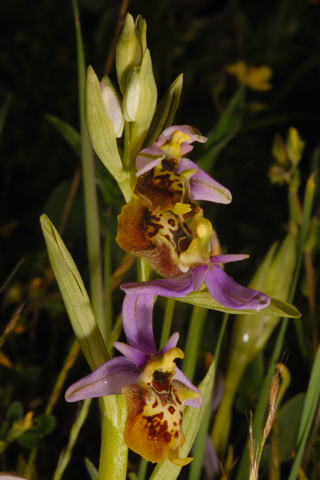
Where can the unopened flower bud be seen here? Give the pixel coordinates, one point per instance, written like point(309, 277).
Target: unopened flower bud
point(132, 95)
point(279, 151)
point(294, 146)
point(112, 102)
point(128, 50)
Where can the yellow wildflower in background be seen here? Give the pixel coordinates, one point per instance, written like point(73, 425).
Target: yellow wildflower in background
point(256, 78)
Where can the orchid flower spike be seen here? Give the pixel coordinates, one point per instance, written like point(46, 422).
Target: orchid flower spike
point(221, 286)
point(154, 389)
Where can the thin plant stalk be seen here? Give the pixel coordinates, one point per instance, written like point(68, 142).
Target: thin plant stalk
point(198, 318)
point(199, 446)
point(142, 469)
point(90, 194)
point(167, 321)
point(107, 278)
point(263, 400)
point(76, 427)
point(72, 356)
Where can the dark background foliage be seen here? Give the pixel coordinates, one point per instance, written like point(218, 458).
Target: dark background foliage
point(38, 76)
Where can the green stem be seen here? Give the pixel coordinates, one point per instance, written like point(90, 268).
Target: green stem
point(107, 280)
point(199, 446)
point(263, 400)
point(72, 355)
point(167, 321)
point(90, 193)
point(142, 469)
point(198, 318)
point(143, 270)
point(114, 452)
point(221, 426)
point(65, 458)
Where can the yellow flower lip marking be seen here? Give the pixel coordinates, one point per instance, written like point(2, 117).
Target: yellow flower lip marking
point(181, 208)
point(172, 148)
point(163, 362)
point(201, 230)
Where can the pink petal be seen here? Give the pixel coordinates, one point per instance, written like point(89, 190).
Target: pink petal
point(133, 354)
point(148, 159)
point(185, 146)
point(202, 186)
point(228, 258)
point(171, 343)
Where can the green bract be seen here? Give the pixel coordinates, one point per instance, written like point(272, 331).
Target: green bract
point(101, 132)
point(128, 51)
point(112, 102)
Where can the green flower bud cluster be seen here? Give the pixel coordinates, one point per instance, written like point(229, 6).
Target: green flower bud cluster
point(287, 156)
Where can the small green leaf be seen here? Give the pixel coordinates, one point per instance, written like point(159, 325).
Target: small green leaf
point(15, 412)
point(288, 419)
point(226, 128)
point(43, 425)
point(68, 132)
point(91, 469)
point(277, 307)
point(163, 118)
point(30, 440)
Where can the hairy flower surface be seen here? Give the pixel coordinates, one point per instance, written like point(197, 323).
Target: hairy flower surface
point(163, 223)
point(221, 286)
point(154, 389)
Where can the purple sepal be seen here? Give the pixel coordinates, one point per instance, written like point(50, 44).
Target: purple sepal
point(167, 287)
point(198, 275)
point(229, 293)
point(108, 379)
point(137, 322)
point(202, 186)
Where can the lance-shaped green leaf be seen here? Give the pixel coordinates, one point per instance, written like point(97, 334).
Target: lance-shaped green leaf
point(226, 128)
point(251, 332)
point(67, 131)
point(277, 307)
point(101, 132)
point(166, 110)
point(74, 296)
point(128, 51)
